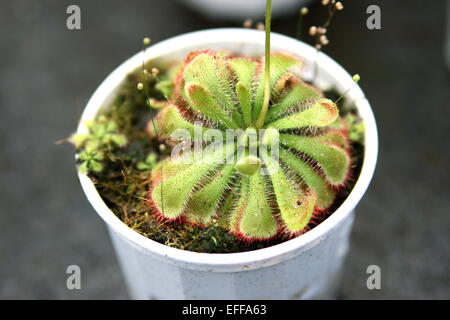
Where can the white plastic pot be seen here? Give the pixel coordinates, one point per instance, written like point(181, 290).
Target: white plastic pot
point(239, 10)
point(305, 267)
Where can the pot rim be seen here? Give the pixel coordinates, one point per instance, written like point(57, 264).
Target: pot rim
point(229, 262)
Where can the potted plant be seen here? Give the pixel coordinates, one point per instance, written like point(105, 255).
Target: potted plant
point(195, 214)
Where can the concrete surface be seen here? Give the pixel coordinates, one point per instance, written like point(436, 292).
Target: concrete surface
point(47, 74)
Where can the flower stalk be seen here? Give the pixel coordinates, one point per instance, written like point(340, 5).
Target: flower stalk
point(265, 107)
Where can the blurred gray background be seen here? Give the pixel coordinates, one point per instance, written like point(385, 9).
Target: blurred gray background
point(47, 74)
